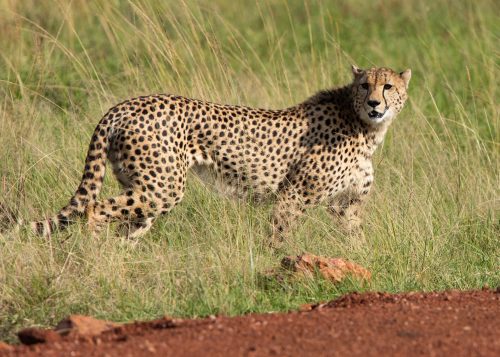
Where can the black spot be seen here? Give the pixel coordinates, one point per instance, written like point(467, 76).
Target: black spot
point(82, 191)
point(63, 220)
point(138, 212)
point(39, 228)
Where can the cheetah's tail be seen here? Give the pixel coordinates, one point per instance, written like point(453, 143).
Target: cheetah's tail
point(89, 188)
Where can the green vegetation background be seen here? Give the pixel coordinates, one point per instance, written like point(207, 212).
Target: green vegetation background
point(432, 222)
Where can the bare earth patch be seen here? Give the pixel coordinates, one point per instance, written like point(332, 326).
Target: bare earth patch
point(413, 324)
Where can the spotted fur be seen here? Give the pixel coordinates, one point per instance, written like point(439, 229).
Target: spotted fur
point(317, 151)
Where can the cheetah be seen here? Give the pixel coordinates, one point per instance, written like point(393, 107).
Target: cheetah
point(318, 151)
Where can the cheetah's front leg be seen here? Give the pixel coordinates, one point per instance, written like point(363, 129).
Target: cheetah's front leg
point(347, 207)
point(346, 210)
point(286, 212)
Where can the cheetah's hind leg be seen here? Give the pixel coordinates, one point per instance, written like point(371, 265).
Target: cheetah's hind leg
point(133, 230)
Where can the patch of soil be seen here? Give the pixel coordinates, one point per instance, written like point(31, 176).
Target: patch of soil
point(449, 323)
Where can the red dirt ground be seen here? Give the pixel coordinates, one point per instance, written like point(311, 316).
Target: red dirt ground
point(374, 324)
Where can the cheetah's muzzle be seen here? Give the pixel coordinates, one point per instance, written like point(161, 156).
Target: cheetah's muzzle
point(376, 115)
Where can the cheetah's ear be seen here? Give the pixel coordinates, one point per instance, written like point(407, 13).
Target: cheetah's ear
point(356, 71)
point(406, 75)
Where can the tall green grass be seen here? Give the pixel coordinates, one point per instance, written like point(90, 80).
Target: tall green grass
point(432, 222)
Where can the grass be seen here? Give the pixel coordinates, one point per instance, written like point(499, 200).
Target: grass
point(432, 222)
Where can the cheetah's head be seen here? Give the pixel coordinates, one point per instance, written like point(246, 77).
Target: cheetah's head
point(379, 94)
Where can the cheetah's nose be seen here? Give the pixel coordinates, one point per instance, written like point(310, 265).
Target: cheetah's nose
point(373, 103)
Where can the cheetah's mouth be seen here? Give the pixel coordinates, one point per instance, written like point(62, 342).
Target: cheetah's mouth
point(376, 115)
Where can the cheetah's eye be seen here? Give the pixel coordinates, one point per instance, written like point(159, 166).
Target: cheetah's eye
point(387, 86)
point(365, 86)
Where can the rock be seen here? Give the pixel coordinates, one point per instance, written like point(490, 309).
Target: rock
point(32, 335)
point(333, 269)
point(83, 326)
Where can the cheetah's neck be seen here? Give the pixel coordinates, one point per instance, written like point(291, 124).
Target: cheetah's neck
point(374, 137)
point(342, 98)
